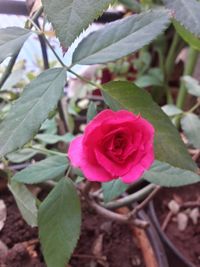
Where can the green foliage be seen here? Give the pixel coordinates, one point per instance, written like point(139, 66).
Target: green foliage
point(25, 202)
point(190, 124)
point(11, 41)
point(168, 145)
point(121, 38)
point(187, 13)
point(91, 112)
point(21, 155)
point(47, 169)
point(154, 77)
point(31, 109)
point(131, 4)
point(187, 36)
point(192, 85)
point(70, 17)
point(59, 222)
point(53, 138)
point(172, 110)
point(113, 189)
point(166, 175)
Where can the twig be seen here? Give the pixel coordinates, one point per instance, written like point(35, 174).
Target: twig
point(85, 256)
point(189, 204)
point(137, 196)
point(118, 217)
point(144, 202)
point(167, 220)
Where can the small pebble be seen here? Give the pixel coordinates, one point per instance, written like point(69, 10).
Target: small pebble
point(182, 221)
point(174, 207)
point(194, 215)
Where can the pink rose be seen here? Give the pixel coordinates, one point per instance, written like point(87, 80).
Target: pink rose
point(115, 144)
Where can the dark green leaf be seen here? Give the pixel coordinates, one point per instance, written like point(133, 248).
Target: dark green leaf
point(53, 138)
point(153, 78)
point(113, 189)
point(187, 36)
point(31, 109)
point(166, 175)
point(25, 202)
point(187, 13)
point(47, 169)
point(190, 124)
point(91, 112)
point(131, 4)
point(120, 38)
point(70, 17)
point(21, 155)
point(59, 222)
point(11, 41)
point(168, 145)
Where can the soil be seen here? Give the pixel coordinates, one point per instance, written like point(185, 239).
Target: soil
point(187, 241)
point(102, 242)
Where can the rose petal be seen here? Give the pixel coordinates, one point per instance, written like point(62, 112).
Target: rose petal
point(92, 172)
point(148, 159)
point(75, 151)
point(115, 169)
point(134, 174)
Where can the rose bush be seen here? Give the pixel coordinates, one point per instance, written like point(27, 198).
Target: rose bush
point(115, 144)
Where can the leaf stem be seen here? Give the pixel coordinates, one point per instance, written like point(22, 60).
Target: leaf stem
point(189, 69)
point(137, 196)
point(170, 61)
point(47, 151)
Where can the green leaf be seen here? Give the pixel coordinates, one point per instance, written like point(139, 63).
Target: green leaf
point(190, 124)
point(53, 138)
point(91, 112)
point(59, 222)
point(168, 145)
point(113, 189)
point(131, 4)
point(11, 41)
point(153, 78)
point(192, 85)
point(171, 110)
point(21, 155)
point(166, 175)
point(31, 109)
point(47, 169)
point(121, 38)
point(70, 17)
point(25, 202)
point(187, 13)
point(187, 36)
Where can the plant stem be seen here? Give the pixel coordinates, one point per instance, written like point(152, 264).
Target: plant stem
point(193, 108)
point(47, 151)
point(170, 61)
point(145, 201)
point(137, 196)
point(169, 66)
point(189, 69)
